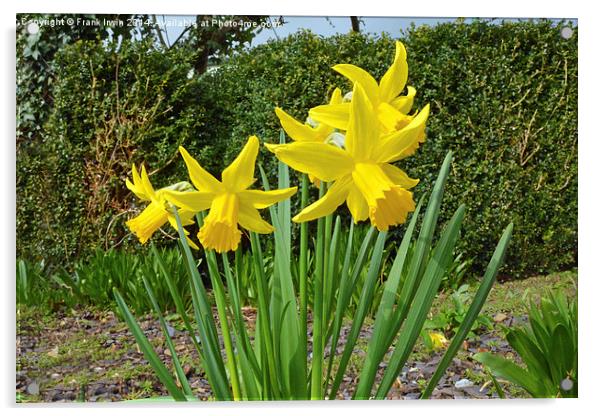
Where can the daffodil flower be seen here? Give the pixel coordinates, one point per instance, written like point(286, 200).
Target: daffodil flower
point(229, 201)
point(158, 212)
point(306, 132)
point(391, 108)
point(311, 131)
point(362, 173)
point(438, 340)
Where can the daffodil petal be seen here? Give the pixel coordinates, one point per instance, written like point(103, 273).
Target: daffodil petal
point(336, 97)
point(250, 219)
point(357, 204)
point(335, 115)
point(399, 177)
point(296, 130)
point(324, 161)
point(150, 220)
point(363, 132)
point(201, 179)
point(239, 175)
point(139, 192)
point(392, 119)
point(146, 184)
point(396, 76)
point(263, 199)
point(357, 75)
point(191, 243)
point(371, 181)
point(404, 142)
point(191, 201)
point(404, 103)
point(185, 218)
point(326, 205)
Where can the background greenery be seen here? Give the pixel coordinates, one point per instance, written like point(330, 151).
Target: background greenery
point(503, 98)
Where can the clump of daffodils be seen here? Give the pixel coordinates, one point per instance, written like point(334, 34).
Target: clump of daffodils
point(377, 130)
point(351, 143)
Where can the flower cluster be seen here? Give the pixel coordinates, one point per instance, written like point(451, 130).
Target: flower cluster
point(350, 143)
point(355, 144)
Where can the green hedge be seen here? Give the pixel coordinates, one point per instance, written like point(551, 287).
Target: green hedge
point(113, 106)
point(503, 98)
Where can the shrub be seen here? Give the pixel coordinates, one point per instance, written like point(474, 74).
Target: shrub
point(114, 105)
point(503, 98)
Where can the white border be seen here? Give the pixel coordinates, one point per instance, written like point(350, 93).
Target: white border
point(589, 189)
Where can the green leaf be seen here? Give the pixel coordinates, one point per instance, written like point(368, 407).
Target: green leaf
point(506, 369)
point(473, 312)
point(147, 349)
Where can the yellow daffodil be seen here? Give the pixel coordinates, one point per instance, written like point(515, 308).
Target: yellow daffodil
point(438, 339)
point(362, 172)
point(310, 131)
point(158, 212)
point(306, 132)
point(230, 202)
point(391, 108)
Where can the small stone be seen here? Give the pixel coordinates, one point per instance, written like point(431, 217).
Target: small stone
point(58, 395)
point(54, 352)
point(170, 331)
point(55, 376)
point(500, 317)
point(463, 383)
point(98, 369)
point(33, 388)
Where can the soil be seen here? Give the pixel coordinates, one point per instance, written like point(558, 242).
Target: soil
point(89, 356)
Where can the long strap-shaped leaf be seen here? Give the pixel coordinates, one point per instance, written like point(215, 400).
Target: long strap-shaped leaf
point(422, 302)
point(147, 349)
point(287, 335)
point(421, 251)
point(506, 369)
point(382, 323)
point(362, 308)
point(473, 312)
point(176, 298)
point(214, 363)
point(174, 357)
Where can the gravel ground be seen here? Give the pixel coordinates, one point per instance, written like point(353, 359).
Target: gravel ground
point(91, 356)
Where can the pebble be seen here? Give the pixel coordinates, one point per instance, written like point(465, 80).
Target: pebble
point(463, 383)
point(33, 388)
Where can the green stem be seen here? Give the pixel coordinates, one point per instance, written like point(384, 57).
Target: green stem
point(220, 300)
point(303, 273)
point(318, 346)
point(263, 314)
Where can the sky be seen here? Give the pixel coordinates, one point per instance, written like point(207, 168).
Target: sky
point(325, 26)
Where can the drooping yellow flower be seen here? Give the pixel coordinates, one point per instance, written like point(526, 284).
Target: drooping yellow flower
point(362, 171)
point(391, 108)
point(438, 340)
point(230, 202)
point(158, 212)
